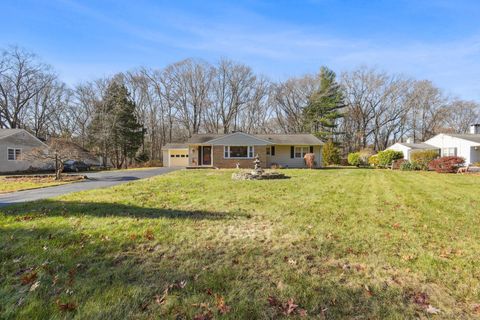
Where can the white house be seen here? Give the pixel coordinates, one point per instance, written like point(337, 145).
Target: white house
point(466, 146)
point(14, 145)
point(408, 147)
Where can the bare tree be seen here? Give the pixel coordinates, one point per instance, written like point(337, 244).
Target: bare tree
point(22, 78)
point(58, 151)
point(290, 99)
point(191, 80)
point(233, 88)
point(428, 110)
point(462, 114)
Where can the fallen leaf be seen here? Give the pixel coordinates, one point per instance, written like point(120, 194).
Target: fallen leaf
point(420, 298)
point(432, 310)
point(149, 234)
point(286, 308)
point(290, 307)
point(292, 262)
point(476, 308)
point(68, 306)
point(29, 277)
point(222, 307)
point(71, 275)
point(368, 291)
point(204, 316)
point(302, 312)
point(34, 286)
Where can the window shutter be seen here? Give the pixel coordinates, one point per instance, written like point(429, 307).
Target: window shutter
point(311, 149)
point(272, 150)
point(292, 152)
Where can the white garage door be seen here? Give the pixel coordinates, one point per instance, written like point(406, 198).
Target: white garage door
point(178, 157)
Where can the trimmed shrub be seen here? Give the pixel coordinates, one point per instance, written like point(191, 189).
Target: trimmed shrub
point(423, 158)
point(386, 157)
point(446, 164)
point(373, 160)
point(354, 159)
point(409, 166)
point(330, 154)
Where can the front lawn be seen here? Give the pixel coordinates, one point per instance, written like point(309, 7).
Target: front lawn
point(326, 244)
point(12, 183)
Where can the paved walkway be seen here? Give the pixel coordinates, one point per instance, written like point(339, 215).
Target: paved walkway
point(96, 180)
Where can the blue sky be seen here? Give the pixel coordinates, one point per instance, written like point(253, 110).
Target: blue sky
point(437, 40)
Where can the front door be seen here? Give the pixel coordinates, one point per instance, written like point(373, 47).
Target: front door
point(206, 155)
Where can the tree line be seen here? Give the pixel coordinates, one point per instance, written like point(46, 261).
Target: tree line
point(131, 115)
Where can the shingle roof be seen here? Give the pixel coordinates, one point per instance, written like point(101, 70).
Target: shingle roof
point(8, 132)
point(290, 139)
point(202, 138)
point(469, 137)
point(287, 139)
point(175, 146)
point(417, 146)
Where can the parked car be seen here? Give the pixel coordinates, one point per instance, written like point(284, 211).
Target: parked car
point(75, 166)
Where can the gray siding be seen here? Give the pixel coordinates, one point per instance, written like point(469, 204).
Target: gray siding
point(24, 141)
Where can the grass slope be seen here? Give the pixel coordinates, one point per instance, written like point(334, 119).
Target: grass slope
point(11, 185)
point(349, 243)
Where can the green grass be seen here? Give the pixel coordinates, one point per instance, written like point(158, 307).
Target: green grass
point(10, 185)
point(346, 243)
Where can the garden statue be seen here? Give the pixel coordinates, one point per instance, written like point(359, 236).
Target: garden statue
point(257, 170)
point(257, 173)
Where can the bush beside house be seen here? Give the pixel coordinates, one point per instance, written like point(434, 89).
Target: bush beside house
point(386, 157)
point(421, 159)
point(373, 161)
point(446, 164)
point(354, 159)
point(330, 154)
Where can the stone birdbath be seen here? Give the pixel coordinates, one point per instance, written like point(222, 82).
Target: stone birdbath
point(257, 173)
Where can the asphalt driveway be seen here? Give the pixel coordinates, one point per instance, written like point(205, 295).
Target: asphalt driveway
point(96, 180)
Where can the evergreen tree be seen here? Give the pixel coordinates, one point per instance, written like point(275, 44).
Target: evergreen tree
point(115, 130)
point(324, 107)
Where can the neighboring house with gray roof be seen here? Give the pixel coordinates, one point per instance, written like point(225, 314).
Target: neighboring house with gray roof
point(407, 148)
point(14, 145)
point(466, 146)
point(228, 150)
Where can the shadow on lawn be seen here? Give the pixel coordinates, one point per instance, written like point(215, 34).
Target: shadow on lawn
point(119, 279)
point(102, 209)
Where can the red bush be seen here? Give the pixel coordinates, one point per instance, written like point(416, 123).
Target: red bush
point(446, 164)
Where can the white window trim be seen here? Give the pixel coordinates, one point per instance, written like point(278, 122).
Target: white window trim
point(250, 152)
point(449, 151)
point(302, 153)
point(14, 153)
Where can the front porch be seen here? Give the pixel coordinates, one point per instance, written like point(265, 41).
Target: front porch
point(200, 156)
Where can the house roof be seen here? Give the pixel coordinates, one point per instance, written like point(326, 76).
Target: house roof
point(202, 138)
point(8, 132)
point(291, 139)
point(285, 139)
point(418, 146)
point(469, 137)
point(175, 146)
